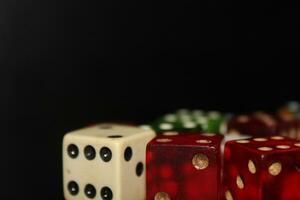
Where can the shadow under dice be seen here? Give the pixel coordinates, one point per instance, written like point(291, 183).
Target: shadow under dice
point(184, 167)
point(262, 169)
point(105, 162)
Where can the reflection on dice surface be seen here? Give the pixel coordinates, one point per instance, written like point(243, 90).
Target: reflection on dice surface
point(262, 169)
point(184, 166)
point(105, 162)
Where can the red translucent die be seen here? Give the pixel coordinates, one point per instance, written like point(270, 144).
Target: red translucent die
point(257, 124)
point(262, 169)
point(184, 167)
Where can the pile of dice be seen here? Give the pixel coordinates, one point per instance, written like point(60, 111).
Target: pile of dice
point(187, 155)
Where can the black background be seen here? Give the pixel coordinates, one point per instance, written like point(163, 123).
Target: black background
point(65, 64)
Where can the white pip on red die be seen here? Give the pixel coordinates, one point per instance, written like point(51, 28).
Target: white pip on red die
point(105, 162)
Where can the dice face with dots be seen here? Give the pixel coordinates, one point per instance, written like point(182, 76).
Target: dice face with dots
point(262, 168)
point(173, 133)
point(230, 137)
point(185, 120)
point(105, 162)
point(184, 167)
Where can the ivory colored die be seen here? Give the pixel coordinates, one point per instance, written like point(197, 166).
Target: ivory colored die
point(105, 162)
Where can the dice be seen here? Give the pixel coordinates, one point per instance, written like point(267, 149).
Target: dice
point(184, 166)
point(262, 169)
point(230, 137)
point(263, 124)
point(185, 120)
point(105, 162)
point(289, 117)
point(256, 124)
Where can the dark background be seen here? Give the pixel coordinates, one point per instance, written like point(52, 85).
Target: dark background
point(65, 64)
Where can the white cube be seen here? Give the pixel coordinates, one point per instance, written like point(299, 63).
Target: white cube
point(105, 162)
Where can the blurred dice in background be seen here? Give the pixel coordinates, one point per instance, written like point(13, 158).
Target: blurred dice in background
point(260, 124)
point(185, 120)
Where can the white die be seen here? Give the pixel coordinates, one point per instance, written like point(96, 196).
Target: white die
point(105, 162)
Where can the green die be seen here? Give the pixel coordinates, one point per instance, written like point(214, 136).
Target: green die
point(179, 126)
point(185, 120)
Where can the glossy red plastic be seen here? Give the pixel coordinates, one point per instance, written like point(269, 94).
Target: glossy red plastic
point(262, 169)
point(184, 167)
point(256, 124)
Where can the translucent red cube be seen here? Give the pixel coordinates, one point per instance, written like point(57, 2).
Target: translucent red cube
point(262, 169)
point(183, 167)
point(263, 124)
point(256, 124)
